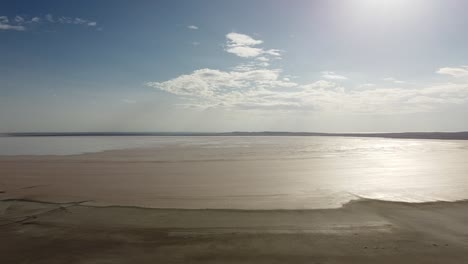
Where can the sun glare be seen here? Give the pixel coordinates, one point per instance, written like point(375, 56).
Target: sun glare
point(389, 7)
point(382, 14)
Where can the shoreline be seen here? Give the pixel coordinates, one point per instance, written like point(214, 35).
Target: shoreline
point(359, 199)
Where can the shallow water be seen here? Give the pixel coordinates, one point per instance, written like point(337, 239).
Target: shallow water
point(239, 172)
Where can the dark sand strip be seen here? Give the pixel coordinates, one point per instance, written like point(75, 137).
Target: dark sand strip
point(363, 231)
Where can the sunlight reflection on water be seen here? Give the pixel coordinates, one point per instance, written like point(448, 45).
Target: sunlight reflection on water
point(258, 172)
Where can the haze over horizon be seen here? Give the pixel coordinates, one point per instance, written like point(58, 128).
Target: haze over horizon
point(216, 66)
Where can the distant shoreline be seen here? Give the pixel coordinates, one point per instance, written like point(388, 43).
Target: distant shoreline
point(403, 135)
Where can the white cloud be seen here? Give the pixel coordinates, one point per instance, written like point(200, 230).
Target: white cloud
point(192, 27)
point(333, 76)
point(195, 43)
point(273, 52)
point(244, 46)
point(267, 90)
point(454, 71)
point(393, 80)
point(236, 40)
point(209, 83)
point(4, 19)
point(92, 24)
point(245, 51)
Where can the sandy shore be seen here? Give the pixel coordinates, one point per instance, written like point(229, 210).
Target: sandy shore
point(362, 231)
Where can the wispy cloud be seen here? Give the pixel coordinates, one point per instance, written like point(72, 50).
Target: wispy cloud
point(366, 85)
point(11, 27)
point(458, 72)
point(49, 18)
point(129, 101)
point(73, 20)
point(22, 23)
point(264, 59)
point(192, 27)
point(19, 19)
point(333, 76)
point(393, 80)
point(6, 25)
point(245, 46)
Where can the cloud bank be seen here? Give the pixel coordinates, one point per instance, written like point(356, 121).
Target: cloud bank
point(254, 85)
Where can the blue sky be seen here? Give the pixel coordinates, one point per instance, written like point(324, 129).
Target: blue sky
point(335, 66)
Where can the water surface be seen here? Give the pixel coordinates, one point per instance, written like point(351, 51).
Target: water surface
point(234, 172)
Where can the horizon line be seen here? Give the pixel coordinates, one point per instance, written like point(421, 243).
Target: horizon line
point(460, 135)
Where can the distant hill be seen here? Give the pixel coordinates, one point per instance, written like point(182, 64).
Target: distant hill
point(413, 135)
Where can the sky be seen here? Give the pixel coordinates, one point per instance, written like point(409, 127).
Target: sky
point(247, 65)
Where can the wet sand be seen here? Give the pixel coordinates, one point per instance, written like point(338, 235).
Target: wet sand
point(362, 231)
